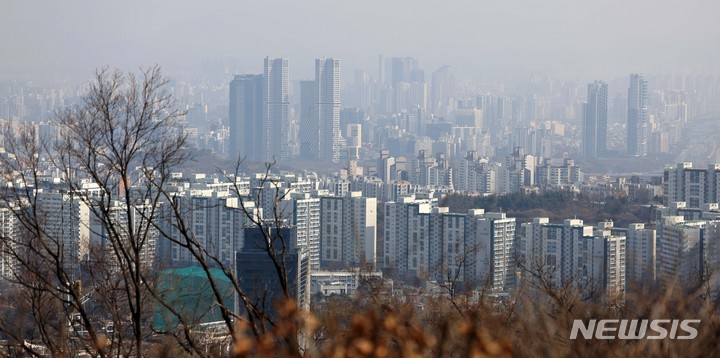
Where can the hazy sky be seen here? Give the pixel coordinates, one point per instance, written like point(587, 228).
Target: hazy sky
point(571, 38)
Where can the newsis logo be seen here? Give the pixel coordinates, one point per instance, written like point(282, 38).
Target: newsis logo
point(635, 329)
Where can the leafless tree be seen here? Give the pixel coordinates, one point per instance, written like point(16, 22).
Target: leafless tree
point(562, 294)
point(89, 263)
point(111, 154)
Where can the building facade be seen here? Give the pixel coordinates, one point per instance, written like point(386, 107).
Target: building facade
point(595, 120)
point(348, 231)
point(327, 80)
point(638, 116)
point(258, 113)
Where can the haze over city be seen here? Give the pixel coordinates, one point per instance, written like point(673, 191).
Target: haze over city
point(482, 40)
point(359, 178)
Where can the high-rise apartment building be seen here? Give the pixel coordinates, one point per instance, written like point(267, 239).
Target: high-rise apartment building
point(276, 123)
point(9, 229)
point(320, 113)
point(469, 250)
point(327, 80)
point(558, 172)
point(595, 120)
point(641, 247)
point(403, 69)
point(214, 220)
point(348, 231)
point(105, 232)
point(518, 171)
point(354, 141)
point(65, 222)
point(443, 91)
point(638, 116)
point(306, 224)
point(694, 186)
point(475, 173)
point(591, 259)
point(309, 136)
point(492, 244)
point(258, 113)
point(681, 245)
point(245, 117)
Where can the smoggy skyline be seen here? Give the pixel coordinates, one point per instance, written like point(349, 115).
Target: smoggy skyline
point(571, 39)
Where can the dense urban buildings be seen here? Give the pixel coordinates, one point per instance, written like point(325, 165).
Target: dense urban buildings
point(591, 258)
point(354, 198)
point(469, 250)
point(468, 178)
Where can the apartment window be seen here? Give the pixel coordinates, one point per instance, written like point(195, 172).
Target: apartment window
point(694, 177)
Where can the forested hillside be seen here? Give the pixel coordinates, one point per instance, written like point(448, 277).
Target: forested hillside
point(556, 205)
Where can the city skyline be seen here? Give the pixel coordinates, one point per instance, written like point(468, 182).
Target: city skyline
point(370, 178)
point(559, 36)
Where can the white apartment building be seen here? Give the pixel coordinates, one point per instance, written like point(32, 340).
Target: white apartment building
point(687, 250)
point(573, 253)
point(695, 186)
point(214, 220)
point(398, 216)
point(476, 174)
point(558, 172)
point(640, 254)
point(10, 231)
point(348, 231)
point(494, 250)
point(65, 218)
point(473, 249)
point(306, 226)
point(119, 227)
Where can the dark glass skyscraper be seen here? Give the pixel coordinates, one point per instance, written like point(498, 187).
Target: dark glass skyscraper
point(245, 117)
point(309, 125)
point(595, 121)
point(258, 276)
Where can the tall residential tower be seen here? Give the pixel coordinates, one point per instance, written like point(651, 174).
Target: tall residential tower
point(276, 123)
point(595, 120)
point(320, 113)
point(245, 116)
point(637, 125)
point(258, 113)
